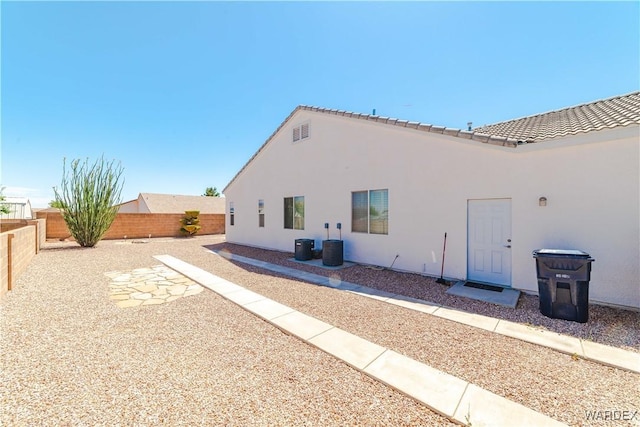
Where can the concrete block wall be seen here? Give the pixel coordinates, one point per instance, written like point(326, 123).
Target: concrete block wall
point(4, 264)
point(23, 249)
point(41, 231)
point(56, 227)
point(11, 224)
point(18, 246)
point(136, 225)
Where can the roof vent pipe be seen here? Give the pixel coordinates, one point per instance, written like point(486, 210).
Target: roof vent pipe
point(374, 112)
point(469, 126)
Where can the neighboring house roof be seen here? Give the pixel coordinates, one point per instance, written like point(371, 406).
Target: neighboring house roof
point(47, 210)
point(613, 112)
point(20, 208)
point(621, 110)
point(174, 203)
point(16, 200)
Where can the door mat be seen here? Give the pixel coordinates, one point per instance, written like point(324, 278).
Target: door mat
point(507, 298)
point(483, 287)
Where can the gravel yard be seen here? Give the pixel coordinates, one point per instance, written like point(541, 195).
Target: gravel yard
point(71, 356)
point(606, 325)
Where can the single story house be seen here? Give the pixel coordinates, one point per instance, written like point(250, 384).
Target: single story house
point(173, 203)
point(19, 208)
point(565, 179)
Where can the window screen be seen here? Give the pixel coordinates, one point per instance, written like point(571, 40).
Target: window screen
point(370, 212)
point(294, 212)
point(260, 213)
point(288, 212)
point(359, 215)
point(379, 212)
point(298, 214)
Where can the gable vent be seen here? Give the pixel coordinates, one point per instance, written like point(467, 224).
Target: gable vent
point(301, 132)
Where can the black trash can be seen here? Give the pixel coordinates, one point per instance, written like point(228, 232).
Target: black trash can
point(304, 249)
point(563, 283)
point(332, 252)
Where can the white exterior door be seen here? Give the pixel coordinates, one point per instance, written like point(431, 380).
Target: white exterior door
point(489, 241)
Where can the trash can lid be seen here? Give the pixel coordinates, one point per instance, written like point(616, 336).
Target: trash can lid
point(573, 253)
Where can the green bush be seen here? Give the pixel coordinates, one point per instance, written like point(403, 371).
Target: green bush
point(4, 209)
point(211, 192)
point(89, 195)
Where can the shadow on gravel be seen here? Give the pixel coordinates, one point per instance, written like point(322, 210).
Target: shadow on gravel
point(64, 248)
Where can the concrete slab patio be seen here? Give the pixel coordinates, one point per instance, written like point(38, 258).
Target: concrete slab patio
point(320, 263)
point(505, 297)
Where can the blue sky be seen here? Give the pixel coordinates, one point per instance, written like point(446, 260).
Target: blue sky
point(182, 94)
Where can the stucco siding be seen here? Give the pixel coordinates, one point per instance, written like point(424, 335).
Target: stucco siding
point(132, 206)
point(591, 183)
point(593, 192)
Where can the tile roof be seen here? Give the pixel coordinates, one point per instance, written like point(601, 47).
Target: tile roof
point(460, 133)
point(621, 110)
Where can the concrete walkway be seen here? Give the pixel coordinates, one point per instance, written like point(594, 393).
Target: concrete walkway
point(589, 350)
point(448, 395)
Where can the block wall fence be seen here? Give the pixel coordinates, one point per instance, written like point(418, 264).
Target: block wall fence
point(20, 241)
point(136, 225)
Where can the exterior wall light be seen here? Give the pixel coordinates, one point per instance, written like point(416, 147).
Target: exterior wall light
point(542, 201)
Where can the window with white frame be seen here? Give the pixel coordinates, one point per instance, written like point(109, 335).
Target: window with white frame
point(260, 213)
point(301, 132)
point(294, 212)
point(370, 211)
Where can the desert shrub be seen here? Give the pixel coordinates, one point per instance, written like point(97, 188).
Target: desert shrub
point(89, 195)
point(190, 223)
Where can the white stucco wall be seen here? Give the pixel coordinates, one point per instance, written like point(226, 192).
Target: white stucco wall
point(592, 184)
point(134, 206)
point(129, 207)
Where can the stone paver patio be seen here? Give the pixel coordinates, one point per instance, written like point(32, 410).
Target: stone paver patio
point(149, 286)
